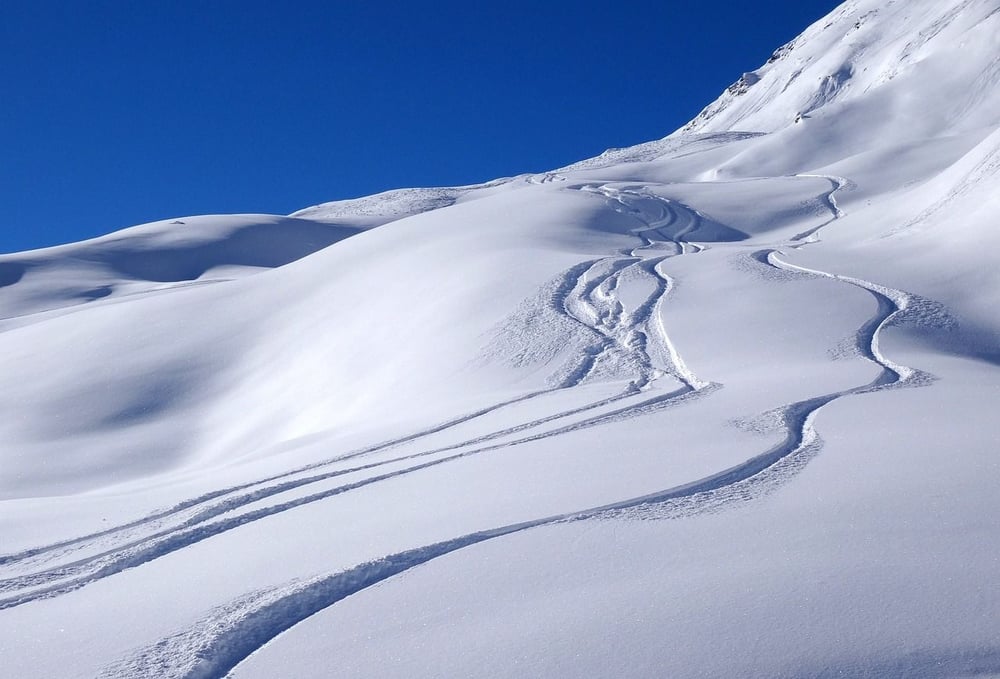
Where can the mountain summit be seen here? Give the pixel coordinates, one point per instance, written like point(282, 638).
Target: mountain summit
point(719, 404)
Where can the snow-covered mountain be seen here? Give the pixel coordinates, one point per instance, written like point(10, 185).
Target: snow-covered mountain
point(718, 405)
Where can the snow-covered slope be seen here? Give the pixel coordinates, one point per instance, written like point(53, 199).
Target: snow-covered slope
point(716, 405)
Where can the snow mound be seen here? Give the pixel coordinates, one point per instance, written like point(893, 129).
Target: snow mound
point(143, 258)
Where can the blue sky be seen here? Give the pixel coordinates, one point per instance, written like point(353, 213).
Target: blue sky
point(116, 113)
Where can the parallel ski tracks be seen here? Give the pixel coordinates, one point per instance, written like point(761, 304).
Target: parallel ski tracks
point(51, 570)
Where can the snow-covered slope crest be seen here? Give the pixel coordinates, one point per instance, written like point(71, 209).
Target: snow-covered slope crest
point(388, 206)
point(718, 405)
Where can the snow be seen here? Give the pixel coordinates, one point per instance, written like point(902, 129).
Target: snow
point(720, 404)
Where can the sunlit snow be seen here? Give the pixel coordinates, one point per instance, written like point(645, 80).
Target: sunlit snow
point(717, 405)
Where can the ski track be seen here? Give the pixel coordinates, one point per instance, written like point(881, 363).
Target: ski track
point(585, 295)
point(830, 200)
point(71, 576)
point(573, 279)
point(188, 511)
point(190, 514)
point(215, 645)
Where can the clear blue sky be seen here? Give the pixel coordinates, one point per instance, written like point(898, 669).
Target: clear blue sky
point(115, 113)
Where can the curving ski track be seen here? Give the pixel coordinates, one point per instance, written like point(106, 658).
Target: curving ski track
point(574, 281)
point(199, 509)
point(830, 200)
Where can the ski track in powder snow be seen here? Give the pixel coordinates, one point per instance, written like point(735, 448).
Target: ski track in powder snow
point(217, 643)
point(585, 296)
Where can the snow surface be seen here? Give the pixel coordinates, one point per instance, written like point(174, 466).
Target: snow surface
point(721, 404)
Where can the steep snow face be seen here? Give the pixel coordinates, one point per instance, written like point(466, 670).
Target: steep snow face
point(720, 404)
point(889, 59)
